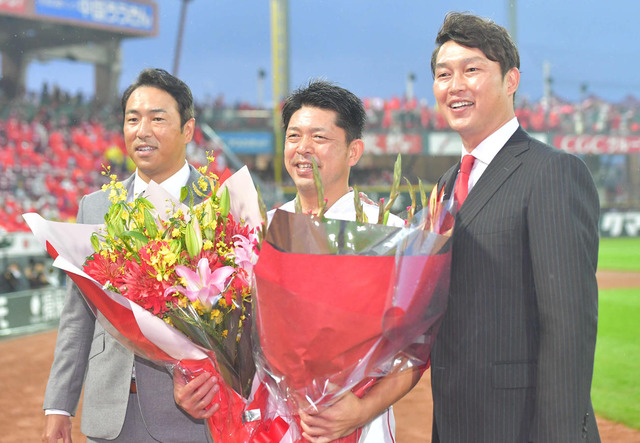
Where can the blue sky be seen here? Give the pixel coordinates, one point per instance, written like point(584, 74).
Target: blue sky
point(370, 46)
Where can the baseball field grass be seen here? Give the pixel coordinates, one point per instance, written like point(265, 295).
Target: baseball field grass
point(616, 379)
point(619, 254)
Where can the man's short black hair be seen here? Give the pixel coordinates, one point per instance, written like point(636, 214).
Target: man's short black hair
point(473, 31)
point(161, 79)
point(326, 95)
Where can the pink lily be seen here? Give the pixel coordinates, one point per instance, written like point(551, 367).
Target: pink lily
point(203, 284)
point(244, 251)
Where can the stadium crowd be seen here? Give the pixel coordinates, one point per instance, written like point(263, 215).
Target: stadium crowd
point(53, 145)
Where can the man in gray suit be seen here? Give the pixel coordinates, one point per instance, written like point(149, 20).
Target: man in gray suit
point(126, 399)
point(513, 361)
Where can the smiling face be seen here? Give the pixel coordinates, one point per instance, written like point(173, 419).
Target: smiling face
point(313, 133)
point(155, 141)
point(472, 95)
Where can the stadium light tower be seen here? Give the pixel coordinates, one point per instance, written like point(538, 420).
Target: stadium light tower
point(178, 51)
point(280, 74)
point(513, 19)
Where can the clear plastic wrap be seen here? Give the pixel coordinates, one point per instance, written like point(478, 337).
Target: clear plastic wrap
point(340, 304)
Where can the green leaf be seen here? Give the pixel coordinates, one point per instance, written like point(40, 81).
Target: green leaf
point(184, 193)
point(397, 176)
point(298, 204)
point(194, 246)
point(146, 204)
point(225, 202)
point(322, 204)
point(150, 224)
point(134, 235)
point(423, 195)
point(412, 209)
point(95, 242)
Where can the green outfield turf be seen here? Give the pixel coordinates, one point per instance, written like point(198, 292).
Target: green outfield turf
point(619, 254)
point(616, 378)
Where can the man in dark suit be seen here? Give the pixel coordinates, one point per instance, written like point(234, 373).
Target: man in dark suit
point(126, 399)
point(513, 361)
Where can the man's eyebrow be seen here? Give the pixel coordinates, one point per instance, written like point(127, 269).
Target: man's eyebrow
point(464, 61)
point(154, 111)
point(314, 129)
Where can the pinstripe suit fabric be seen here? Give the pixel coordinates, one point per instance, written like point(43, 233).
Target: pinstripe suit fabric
point(83, 346)
point(513, 360)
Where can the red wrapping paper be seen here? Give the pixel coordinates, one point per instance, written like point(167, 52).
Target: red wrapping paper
point(328, 321)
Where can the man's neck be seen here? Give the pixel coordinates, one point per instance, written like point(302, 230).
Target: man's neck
point(172, 184)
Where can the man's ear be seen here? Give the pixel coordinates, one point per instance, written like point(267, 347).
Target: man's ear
point(188, 129)
point(513, 80)
point(356, 148)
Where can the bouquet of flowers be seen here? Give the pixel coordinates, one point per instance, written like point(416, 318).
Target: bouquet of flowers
point(368, 300)
point(173, 281)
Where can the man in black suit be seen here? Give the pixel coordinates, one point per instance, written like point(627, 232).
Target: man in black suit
point(513, 361)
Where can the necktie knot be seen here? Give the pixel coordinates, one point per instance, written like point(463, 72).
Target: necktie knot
point(462, 187)
point(467, 164)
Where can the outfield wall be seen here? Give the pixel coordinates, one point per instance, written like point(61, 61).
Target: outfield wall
point(26, 312)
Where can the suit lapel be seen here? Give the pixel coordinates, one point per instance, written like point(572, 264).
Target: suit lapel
point(449, 181)
point(194, 176)
point(504, 164)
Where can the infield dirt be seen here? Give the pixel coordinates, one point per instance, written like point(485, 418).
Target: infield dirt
point(26, 362)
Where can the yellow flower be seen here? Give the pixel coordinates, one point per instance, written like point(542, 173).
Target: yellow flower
point(225, 333)
point(202, 182)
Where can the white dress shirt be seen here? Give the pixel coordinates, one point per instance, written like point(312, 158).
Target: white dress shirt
point(488, 149)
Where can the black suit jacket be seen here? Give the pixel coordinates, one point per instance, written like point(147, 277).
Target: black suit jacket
point(513, 360)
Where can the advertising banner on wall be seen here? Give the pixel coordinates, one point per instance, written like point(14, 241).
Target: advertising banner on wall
point(248, 142)
point(13, 6)
point(390, 143)
point(620, 224)
point(597, 144)
point(30, 311)
point(126, 15)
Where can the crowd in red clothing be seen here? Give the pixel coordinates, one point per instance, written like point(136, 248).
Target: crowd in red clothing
point(47, 165)
point(52, 152)
point(592, 115)
point(589, 116)
point(53, 146)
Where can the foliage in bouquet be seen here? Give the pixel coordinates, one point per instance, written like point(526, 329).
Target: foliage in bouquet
point(431, 217)
point(190, 266)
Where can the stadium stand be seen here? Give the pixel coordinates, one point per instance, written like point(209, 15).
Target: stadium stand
point(53, 145)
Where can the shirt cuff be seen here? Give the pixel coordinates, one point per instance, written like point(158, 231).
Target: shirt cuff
point(56, 412)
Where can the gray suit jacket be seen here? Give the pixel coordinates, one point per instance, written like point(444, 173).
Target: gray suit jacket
point(513, 360)
point(83, 347)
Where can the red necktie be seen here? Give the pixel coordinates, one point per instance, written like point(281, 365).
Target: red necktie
point(462, 187)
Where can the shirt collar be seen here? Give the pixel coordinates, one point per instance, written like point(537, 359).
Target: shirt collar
point(490, 146)
point(173, 185)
